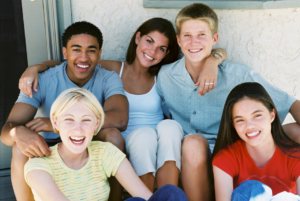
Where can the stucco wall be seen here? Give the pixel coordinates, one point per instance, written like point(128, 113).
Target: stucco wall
point(267, 40)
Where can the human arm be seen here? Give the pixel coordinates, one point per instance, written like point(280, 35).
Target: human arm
point(116, 112)
point(209, 72)
point(293, 129)
point(131, 182)
point(43, 184)
point(14, 131)
point(31, 75)
point(223, 184)
point(298, 186)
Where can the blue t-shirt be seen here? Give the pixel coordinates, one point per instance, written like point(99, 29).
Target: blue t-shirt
point(52, 82)
point(202, 114)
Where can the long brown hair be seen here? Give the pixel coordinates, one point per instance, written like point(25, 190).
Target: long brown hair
point(163, 26)
point(227, 134)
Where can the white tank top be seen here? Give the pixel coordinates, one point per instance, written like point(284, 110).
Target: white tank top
point(144, 110)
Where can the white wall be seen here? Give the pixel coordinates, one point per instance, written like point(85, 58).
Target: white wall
point(267, 40)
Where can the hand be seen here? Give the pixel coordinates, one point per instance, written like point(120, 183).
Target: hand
point(208, 76)
point(29, 80)
point(30, 143)
point(40, 124)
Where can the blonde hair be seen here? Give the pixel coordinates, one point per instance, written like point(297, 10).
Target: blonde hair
point(197, 11)
point(69, 97)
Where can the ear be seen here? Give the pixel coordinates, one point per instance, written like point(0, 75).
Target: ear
point(54, 123)
point(215, 39)
point(178, 40)
point(272, 114)
point(100, 52)
point(137, 37)
point(65, 52)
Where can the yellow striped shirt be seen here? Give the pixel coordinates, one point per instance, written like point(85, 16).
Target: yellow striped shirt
point(89, 182)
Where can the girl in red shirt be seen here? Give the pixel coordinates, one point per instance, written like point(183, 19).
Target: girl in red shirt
point(252, 145)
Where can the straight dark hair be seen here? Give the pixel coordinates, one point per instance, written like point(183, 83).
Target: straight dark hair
point(227, 134)
point(162, 26)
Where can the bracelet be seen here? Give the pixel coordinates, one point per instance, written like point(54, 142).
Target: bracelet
point(216, 56)
point(219, 54)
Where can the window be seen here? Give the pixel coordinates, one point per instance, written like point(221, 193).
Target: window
point(225, 4)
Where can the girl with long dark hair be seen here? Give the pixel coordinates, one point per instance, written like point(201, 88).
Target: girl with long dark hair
point(252, 145)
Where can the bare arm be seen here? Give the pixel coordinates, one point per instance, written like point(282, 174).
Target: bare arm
point(14, 131)
point(131, 182)
point(116, 112)
point(293, 129)
point(31, 75)
point(298, 186)
point(209, 72)
point(43, 184)
point(223, 184)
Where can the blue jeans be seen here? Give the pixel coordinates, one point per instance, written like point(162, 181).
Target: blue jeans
point(165, 193)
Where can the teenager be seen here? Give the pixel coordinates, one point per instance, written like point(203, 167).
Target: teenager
point(153, 145)
point(199, 116)
point(82, 42)
point(78, 168)
point(252, 145)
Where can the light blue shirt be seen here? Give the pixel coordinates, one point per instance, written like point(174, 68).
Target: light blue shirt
point(202, 114)
point(52, 82)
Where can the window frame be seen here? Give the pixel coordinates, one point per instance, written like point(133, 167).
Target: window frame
point(225, 4)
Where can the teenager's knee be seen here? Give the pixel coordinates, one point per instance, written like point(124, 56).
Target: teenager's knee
point(113, 136)
point(195, 150)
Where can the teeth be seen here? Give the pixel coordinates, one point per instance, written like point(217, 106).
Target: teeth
point(195, 50)
point(252, 134)
point(77, 139)
point(148, 57)
point(82, 66)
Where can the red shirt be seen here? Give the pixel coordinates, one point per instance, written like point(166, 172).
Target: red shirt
point(280, 173)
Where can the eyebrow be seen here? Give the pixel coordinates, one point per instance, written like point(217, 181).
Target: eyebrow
point(252, 113)
point(154, 42)
point(91, 46)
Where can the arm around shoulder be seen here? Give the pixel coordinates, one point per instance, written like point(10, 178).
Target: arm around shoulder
point(14, 132)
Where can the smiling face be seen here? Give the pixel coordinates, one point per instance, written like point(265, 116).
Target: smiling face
point(151, 48)
point(252, 121)
point(196, 41)
point(82, 53)
point(76, 127)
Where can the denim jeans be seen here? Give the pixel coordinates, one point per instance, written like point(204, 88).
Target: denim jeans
point(252, 190)
point(165, 193)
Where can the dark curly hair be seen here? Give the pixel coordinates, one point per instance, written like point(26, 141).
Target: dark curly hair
point(82, 27)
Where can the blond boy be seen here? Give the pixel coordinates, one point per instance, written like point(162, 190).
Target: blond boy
point(199, 116)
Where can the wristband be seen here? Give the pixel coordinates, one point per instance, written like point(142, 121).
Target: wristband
point(216, 56)
point(219, 54)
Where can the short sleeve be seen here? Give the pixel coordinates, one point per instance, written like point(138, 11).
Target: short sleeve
point(294, 168)
point(160, 93)
point(111, 159)
point(36, 99)
point(282, 100)
point(37, 164)
point(225, 160)
point(113, 86)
